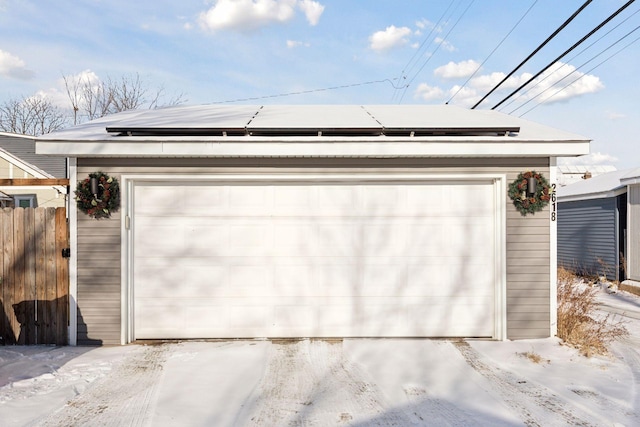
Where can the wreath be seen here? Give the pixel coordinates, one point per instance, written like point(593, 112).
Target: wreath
point(525, 203)
point(102, 204)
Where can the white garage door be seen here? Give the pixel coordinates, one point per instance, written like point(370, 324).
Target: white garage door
point(313, 259)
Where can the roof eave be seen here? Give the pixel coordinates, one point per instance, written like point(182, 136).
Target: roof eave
point(590, 196)
point(315, 147)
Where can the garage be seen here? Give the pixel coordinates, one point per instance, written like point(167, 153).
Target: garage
point(290, 221)
point(323, 257)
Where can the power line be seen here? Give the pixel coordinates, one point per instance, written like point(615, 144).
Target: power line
point(493, 51)
point(419, 50)
point(555, 33)
point(437, 47)
point(584, 74)
point(589, 34)
point(303, 92)
point(539, 82)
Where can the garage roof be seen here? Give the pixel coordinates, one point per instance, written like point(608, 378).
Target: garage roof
point(601, 186)
point(311, 130)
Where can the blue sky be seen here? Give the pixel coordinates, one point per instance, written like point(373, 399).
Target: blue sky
point(369, 52)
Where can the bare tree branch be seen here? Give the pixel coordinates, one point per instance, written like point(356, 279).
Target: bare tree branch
point(31, 116)
point(93, 99)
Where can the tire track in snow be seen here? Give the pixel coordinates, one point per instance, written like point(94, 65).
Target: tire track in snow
point(535, 404)
point(437, 412)
point(309, 383)
point(123, 398)
point(627, 349)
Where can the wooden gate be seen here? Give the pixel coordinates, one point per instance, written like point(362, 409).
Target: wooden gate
point(34, 276)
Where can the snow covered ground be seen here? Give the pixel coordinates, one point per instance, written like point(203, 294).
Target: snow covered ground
point(359, 382)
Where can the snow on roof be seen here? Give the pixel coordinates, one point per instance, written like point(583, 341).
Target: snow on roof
point(225, 130)
point(600, 186)
point(311, 117)
point(633, 177)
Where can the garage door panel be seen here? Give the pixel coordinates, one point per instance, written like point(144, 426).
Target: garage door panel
point(384, 280)
point(164, 199)
point(336, 198)
point(313, 259)
point(428, 239)
point(336, 240)
point(300, 196)
point(475, 200)
point(291, 279)
point(200, 198)
point(253, 237)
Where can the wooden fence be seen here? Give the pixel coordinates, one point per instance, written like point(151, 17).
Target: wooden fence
point(34, 276)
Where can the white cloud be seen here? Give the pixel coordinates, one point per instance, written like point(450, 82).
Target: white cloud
point(295, 43)
point(613, 115)
point(83, 77)
point(458, 70)
point(428, 93)
point(58, 95)
point(548, 87)
point(489, 81)
point(391, 37)
point(445, 44)
point(13, 67)
point(423, 24)
point(562, 82)
point(247, 15)
point(312, 10)
point(464, 97)
point(589, 160)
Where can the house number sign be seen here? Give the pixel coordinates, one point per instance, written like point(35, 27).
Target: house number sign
point(554, 214)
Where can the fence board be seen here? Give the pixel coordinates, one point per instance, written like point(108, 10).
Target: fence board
point(41, 273)
point(62, 279)
point(50, 268)
point(4, 320)
point(12, 330)
point(34, 282)
point(21, 306)
point(30, 294)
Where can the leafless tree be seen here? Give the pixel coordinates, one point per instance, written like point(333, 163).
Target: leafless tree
point(35, 115)
point(91, 98)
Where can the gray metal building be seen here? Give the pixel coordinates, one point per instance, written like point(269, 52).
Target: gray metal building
point(592, 226)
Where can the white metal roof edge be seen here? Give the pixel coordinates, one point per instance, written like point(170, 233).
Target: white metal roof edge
point(592, 196)
point(17, 135)
point(632, 177)
point(631, 181)
point(318, 147)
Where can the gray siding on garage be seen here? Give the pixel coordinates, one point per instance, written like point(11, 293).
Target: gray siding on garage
point(633, 233)
point(527, 246)
point(588, 236)
point(98, 279)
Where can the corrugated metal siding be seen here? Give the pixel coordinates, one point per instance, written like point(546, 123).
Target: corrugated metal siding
point(587, 236)
point(633, 232)
point(528, 264)
point(25, 149)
